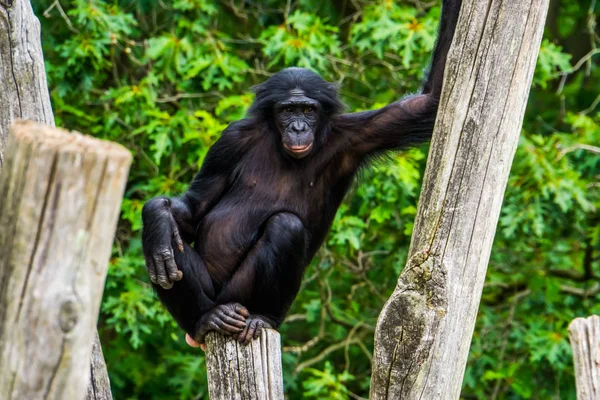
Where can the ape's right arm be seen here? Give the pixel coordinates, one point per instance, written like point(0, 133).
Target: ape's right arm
point(171, 221)
point(167, 221)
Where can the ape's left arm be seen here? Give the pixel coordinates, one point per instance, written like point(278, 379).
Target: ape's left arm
point(408, 121)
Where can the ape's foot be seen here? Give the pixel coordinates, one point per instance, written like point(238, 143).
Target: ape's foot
point(228, 319)
point(191, 342)
point(254, 325)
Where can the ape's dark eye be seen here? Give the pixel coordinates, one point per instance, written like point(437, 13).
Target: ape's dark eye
point(288, 110)
point(309, 110)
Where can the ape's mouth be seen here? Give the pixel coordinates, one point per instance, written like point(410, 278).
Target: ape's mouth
point(298, 150)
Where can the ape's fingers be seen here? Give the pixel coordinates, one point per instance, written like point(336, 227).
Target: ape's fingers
point(151, 268)
point(242, 335)
point(240, 309)
point(232, 321)
point(176, 235)
point(249, 332)
point(233, 314)
point(227, 329)
point(260, 327)
point(161, 275)
point(174, 273)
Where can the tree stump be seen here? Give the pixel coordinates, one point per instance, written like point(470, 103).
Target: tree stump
point(244, 372)
point(60, 196)
point(585, 342)
point(23, 87)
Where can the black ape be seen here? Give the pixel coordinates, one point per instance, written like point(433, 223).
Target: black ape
point(266, 195)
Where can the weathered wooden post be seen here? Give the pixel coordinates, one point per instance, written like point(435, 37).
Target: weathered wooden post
point(424, 331)
point(23, 88)
point(237, 371)
point(99, 384)
point(60, 196)
point(585, 342)
point(24, 95)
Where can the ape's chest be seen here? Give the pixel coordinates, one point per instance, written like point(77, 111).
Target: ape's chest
point(282, 189)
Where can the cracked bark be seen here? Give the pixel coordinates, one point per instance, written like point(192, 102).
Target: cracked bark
point(60, 194)
point(424, 330)
point(584, 334)
point(24, 95)
point(23, 87)
point(245, 372)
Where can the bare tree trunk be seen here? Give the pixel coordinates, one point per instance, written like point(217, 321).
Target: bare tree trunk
point(424, 331)
point(99, 386)
point(23, 87)
point(585, 342)
point(24, 95)
point(60, 194)
point(244, 372)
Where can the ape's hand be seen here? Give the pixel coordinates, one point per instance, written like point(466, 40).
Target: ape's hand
point(159, 234)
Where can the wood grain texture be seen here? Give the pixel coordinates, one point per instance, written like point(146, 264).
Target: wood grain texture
point(60, 196)
point(99, 386)
point(585, 342)
point(424, 331)
point(244, 372)
point(23, 87)
point(24, 96)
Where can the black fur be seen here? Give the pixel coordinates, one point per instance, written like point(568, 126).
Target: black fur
point(256, 214)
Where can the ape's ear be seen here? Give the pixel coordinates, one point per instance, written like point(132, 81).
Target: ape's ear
point(257, 88)
point(332, 87)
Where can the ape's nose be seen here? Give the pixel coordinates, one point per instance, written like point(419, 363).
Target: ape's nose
point(298, 127)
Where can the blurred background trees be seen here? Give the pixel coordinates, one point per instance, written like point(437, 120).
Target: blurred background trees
point(164, 78)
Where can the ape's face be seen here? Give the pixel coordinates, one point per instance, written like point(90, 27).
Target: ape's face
point(297, 118)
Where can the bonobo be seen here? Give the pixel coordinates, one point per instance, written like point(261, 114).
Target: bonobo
point(266, 195)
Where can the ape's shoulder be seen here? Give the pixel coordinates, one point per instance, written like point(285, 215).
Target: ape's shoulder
point(234, 140)
point(240, 128)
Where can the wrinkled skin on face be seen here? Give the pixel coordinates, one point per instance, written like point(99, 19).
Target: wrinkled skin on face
point(297, 118)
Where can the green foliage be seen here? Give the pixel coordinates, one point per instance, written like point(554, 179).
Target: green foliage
point(304, 40)
point(551, 63)
point(397, 29)
point(165, 78)
point(326, 384)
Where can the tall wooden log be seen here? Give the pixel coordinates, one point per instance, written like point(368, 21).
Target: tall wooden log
point(23, 87)
point(244, 372)
point(24, 96)
point(424, 331)
point(585, 342)
point(99, 386)
point(60, 196)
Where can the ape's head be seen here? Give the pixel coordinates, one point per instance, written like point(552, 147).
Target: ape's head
point(298, 103)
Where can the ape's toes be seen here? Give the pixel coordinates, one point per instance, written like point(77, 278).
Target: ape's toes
point(254, 326)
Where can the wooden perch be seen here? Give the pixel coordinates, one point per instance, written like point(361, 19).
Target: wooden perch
point(23, 87)
point(60, 196)
point(244, 372)
point(585, 342)
point(424, 331)
point(24, 96)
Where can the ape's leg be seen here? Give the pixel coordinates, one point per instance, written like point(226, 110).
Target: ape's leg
point(192, 299)
point(269, 278)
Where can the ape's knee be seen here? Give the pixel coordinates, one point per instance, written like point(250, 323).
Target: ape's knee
point(286, 225)
point(153, 208)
